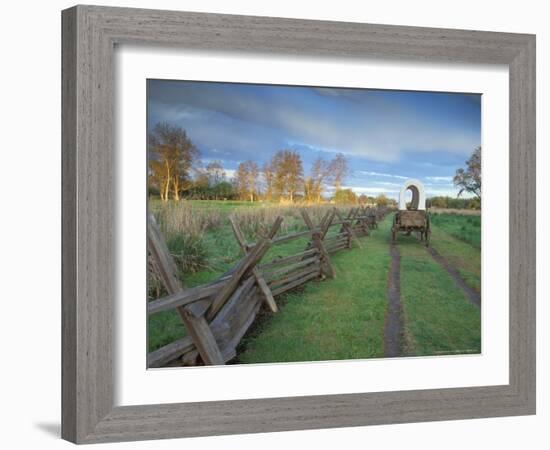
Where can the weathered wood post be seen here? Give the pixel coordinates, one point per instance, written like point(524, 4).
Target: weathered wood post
point(348, 229)
point(264, 288)
point(195, 323)
point(317, 236)
point(363, 222)
point(245, 266)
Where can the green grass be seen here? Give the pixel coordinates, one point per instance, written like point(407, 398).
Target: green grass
point(463, 253)
point(334, 319)
point(438, 319)
point(466, 228)
point(343, 318)
point(464, 257)
point(221, 251)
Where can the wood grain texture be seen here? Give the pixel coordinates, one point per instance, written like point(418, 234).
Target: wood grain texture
point(68, 224)
point(190, 314)
point(89, 214)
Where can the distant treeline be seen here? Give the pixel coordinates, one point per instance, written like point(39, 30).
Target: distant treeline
point(175, 171)
point(453, 203)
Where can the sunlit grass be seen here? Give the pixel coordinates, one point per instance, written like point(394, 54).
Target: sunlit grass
point(340, 318)
point(466, 228)
point(335, 319)
point(438, 317)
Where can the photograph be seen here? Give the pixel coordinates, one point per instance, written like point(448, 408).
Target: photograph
point(309, 223)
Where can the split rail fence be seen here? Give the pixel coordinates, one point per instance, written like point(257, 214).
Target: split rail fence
point(217, 315)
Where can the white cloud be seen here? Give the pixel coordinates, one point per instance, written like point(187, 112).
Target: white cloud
point(440, 179)
point(379, 174)
point(389, 183)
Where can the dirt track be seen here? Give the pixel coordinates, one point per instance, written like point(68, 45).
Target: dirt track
point(394, 324)
point(470, 293)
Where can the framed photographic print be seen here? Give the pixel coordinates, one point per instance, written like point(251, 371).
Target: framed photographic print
point(279, 224)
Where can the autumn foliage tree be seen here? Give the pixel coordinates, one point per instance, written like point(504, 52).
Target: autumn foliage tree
point(382, 200)
point(210, 183)
point(288, 174)
point(171, 157)
point(338, 170)
point(469, 179)
point(345, 197)
point(215, 173)
point(284, 176)
point(246, 180)
point(320, 172)
point(309, 190)
point(269, 178)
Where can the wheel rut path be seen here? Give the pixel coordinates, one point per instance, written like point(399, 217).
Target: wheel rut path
point(393, 329)
point(473, 296)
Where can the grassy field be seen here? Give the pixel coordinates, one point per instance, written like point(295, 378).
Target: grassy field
point(437, 317)
point(449, 234)
point(201, 240)
point(340, 318)
point(466, 228)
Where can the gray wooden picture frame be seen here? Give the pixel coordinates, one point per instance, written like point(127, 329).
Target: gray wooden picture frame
point(89, 36)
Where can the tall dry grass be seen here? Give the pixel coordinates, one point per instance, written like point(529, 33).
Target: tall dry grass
point(184, 226)
point(255, 222)
point(182, 218)
point(177, 218)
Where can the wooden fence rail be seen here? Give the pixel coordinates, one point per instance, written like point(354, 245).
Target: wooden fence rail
point(217, 315)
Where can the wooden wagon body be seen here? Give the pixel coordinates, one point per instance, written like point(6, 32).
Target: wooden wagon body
point(408, 221)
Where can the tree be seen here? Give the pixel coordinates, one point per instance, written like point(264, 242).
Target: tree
point(215, 173)
point(294, 174)
point(246, 179)
point(269, 177)
point(320, 172)
point(438, 202)
point(224, 190)
point(345, 197)
point(339, 170)
point(277, 165)
point(363, 199)
point(469, 179)
point(381, 200)
point(309, 190)
point(444, 202)
point(288, 174)
point(215, 176)
point(171, 157)
point(200, 186)
point(474, 203)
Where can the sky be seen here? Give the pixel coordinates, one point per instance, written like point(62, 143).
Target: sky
point(387, 136)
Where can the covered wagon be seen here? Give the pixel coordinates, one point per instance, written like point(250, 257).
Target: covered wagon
point(413, 218)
